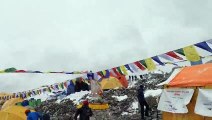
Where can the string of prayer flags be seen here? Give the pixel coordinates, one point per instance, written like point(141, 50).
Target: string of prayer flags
point(14, 70)
point(174, 57)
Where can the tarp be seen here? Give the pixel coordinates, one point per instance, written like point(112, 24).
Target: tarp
point(13, 113)
point(11, 102)
point(199, 75)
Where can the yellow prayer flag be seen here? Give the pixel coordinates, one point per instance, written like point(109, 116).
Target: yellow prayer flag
point(27, 95)
point(150, 64)
point(2, 71)
point(124, 70)
point(191, 53)
point(104, 72)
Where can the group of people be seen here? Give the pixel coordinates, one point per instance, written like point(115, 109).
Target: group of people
point(85, 112)
point(80, 85)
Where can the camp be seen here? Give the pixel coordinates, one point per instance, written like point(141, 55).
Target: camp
point(194, 78)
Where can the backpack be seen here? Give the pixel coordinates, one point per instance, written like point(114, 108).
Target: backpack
point(87, 112)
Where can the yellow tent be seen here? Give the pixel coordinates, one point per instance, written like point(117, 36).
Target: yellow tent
point(110, 83)
point(11, 102)
point(13, 113)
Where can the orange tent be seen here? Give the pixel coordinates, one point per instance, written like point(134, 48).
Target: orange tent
point(122, 79)
point(199, 75)
point(189, 77)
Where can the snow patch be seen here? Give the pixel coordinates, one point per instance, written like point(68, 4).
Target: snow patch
point(133, 108)
point(124, 113)
point(75, 97)
point(120, 98)
point(132, 84)
point(152, 93)
point(151, 81)
point(42, 96)
point(135, 105)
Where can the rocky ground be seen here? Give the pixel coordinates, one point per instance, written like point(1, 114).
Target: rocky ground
point(119, 110)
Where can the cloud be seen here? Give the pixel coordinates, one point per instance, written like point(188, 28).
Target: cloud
point(94, 35)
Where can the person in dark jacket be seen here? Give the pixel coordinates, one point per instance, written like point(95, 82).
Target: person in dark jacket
point(33, 115)
point(71, 88)
point(25, 103)
point(81, 86)
point(142, 102)
point(85, 112)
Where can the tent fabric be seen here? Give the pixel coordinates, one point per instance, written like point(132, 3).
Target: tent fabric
point(122, 79)
point(110, 83)
point(11, 102)
point(13, 113)
point(199, 75)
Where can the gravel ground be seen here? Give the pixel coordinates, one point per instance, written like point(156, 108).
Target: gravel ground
point(66, 109)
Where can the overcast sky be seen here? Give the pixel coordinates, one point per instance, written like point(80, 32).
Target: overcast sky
point(69, 35)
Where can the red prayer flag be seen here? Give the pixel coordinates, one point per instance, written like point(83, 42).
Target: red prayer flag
point(172, 54)
point(100, 74)
point(139, 65)
point(115, 71)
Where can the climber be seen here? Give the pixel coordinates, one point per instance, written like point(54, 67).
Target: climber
point(85, 112)
point(33, 115)
point(81, 86)
point(142, 102)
